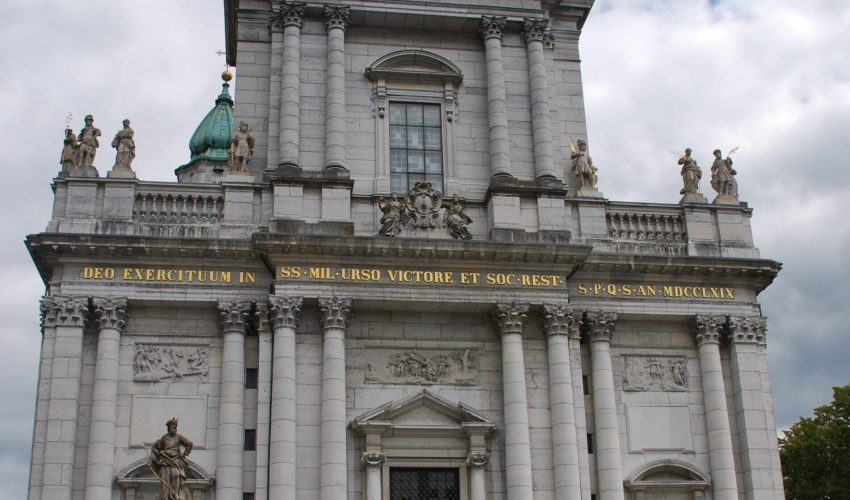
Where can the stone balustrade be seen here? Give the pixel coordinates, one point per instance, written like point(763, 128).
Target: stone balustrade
point(177, 208)
point(647, 229)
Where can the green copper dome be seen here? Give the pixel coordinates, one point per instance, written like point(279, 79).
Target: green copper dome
point(212, 138)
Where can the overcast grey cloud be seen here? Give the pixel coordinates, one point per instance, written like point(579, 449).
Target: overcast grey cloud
point(769, 76)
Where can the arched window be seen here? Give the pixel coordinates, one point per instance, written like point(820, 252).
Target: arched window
point(415, 96)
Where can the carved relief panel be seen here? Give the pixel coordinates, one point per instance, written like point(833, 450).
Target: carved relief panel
point(172, 362)
point(423, 367)
point(655, 373)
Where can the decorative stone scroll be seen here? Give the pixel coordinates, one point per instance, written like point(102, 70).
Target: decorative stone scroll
point(423, 367)
point(156, 363)
point(655, 373)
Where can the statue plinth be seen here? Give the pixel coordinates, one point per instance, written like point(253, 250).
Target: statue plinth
point(589, 193)
point(693, 198)
point(726, 199)
point(120, 174)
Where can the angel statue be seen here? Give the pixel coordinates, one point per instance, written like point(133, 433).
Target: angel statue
point(583, 167)
point(723, 175)
point(394, 216)
point(457, 221)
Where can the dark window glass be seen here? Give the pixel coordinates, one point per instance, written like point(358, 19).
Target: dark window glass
point(584, 385)
point(424, 484)
point(250, 439)
point(251, 378)
point(247, 496)
point(416, 146)
point(590, 443)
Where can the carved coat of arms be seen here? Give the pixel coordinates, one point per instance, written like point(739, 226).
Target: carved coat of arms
point(423, 205)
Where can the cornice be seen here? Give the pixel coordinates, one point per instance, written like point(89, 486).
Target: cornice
point(761, 272)
point(414, 248)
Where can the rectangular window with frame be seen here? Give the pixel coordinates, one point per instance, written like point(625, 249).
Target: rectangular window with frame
point(416, 145)
point(408, 483)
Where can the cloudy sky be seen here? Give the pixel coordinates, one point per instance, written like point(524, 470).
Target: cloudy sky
point(769, 76)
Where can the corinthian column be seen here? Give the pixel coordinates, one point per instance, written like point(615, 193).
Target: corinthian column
point(609, 463)
point(336, 313)
point(535, 32)
point(560, 324)
point(336, 20)
point(284, 313)
point(291, 18)
point(510, 319)
point(708, 331)
point(492, 29)
point(231, 426)
point(110, 316)
point(68, 316)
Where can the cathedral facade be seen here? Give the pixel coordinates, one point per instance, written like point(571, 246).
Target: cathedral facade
point(387, 272)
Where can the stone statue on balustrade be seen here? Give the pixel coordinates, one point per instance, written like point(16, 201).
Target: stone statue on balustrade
point(125, 148)
point(691, 175)
point(70, 152)
point(582, 166)
point(456, 221)
point(723, 178)
point(88, 145)
point(243, 149)
point(395, 215)
point(168, 463)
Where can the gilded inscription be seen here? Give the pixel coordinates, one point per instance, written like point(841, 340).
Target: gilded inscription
point(654, 290)
point(366, 274)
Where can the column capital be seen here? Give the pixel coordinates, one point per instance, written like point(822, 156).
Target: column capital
point(336, 16)
point(373, 459)
point(559, 319)
point(335, 311)
point(285, 312)
point(61, 310)
point(708, 329)
point(288, 14)
point(110, 313)
point(234, 316)
point(536, 30)
point(510, 317)
point(747, 329)
point(599, 325)
point(492, 27)
point(477, 460)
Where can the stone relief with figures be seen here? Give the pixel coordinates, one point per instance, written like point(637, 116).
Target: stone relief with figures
point(655, 373)
point(155, 363)
point(423, 366)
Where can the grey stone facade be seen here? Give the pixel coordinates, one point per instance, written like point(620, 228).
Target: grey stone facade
point(574, 347)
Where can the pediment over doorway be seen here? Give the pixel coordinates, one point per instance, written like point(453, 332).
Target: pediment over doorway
point(424, 413)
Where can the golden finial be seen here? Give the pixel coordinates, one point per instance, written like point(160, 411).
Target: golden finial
point(226, 75)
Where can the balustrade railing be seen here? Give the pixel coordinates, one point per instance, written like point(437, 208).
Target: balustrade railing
point(647, 229)
point(177, 208)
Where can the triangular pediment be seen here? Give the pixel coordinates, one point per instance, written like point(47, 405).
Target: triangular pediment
point(425, 410)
